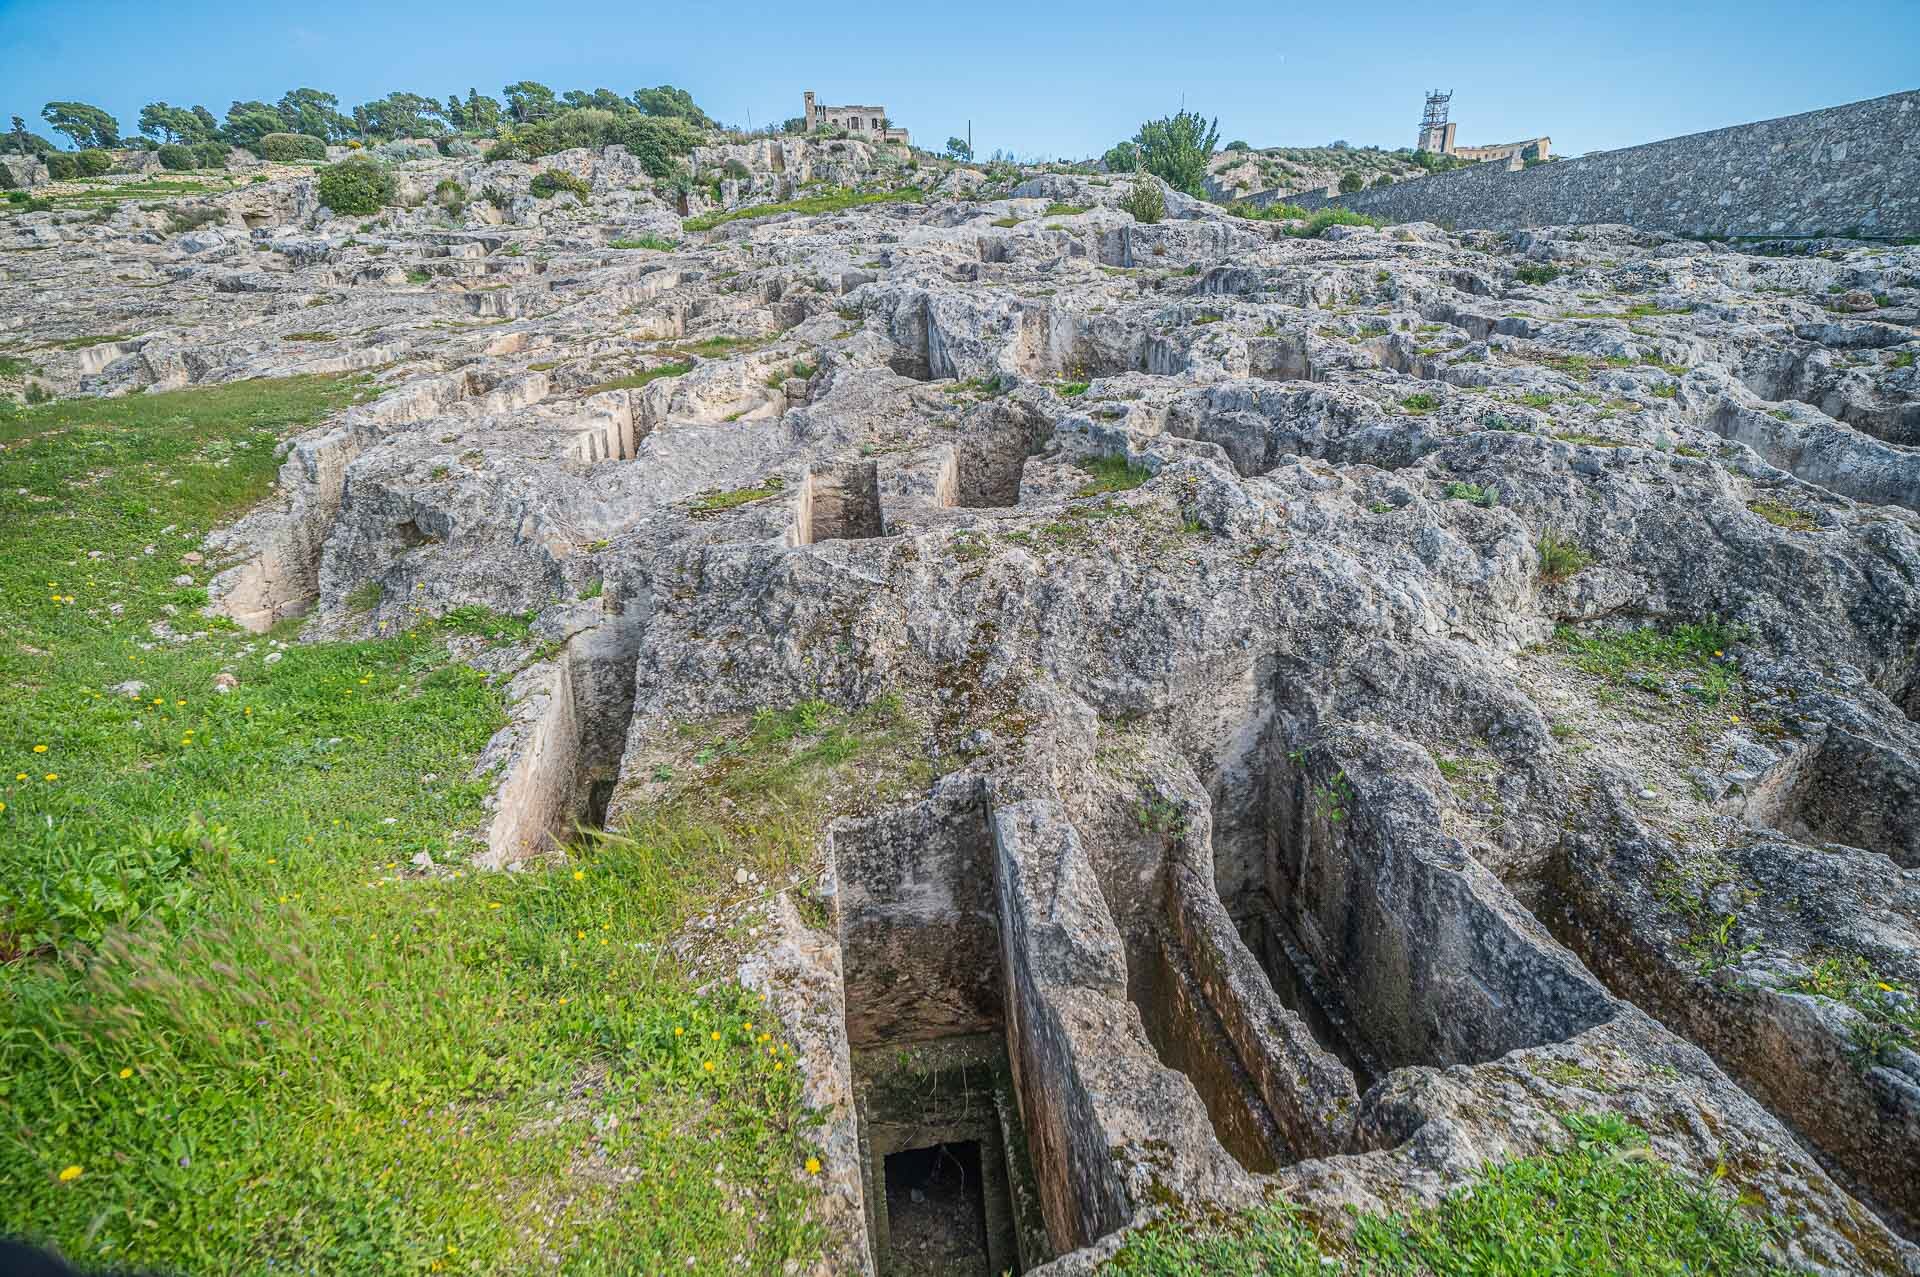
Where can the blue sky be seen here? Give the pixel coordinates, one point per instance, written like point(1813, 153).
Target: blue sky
point(1039, 78)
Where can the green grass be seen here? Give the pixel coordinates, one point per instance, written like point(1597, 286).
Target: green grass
point(723, 344)
point(1695, 653)
point(81, 343)
point(1112, 474)
point(263, 1042)
point(803, 370)
point(1782, 515)
point(633, 381)
point(1893, 1020)
point(645, 241)
point(1064, 210)
point(313, 336)
point(1326, 217)
point(1560, 558)
point(1270, 213)
point(1485, 497)
point(1605, 1205)
point(1421, 402)
point(715, 502)
point(832, 200)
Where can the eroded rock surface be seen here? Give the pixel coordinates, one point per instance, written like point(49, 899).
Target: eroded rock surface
point(1281, 837)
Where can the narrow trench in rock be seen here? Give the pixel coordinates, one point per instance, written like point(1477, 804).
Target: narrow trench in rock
point(937, 1210)
point(1188, 1037)
point(987, 471)
point(842, 503)
point(1844, 789)
point(1282, 358)
point(941, 1133)
point(1393, 956)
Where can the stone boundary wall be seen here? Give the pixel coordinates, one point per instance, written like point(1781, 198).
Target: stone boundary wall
point(1845, 169)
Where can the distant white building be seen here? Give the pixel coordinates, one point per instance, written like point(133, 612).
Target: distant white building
point(867, 122)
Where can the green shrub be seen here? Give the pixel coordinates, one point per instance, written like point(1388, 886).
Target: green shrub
point(62, 166)
point(736, 171)
point(92, 162)
point(193, 217)
point(1270, 213)
point(1236, 145)
point(450, 195)
point(1145, 202)
point(1176, 149)
point(176, 157)
point(658, 141)
point(570, 130)
point(210, 154)
point(1331, 217)
point(1560, 558)
point(552, 181)
point(1123, 158)
point(1474, 494)
point(1537, 274)
point(287, 148)
point(355, 186)
point(1351, 182)
point(1385, 179)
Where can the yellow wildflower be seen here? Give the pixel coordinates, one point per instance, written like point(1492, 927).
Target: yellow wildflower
point(578, 874)
point(70, 1174)
point(39, 749)
point(677, 1030)
point(53, 775)
point(813, 1166)
point(708, 1066)
point(125, 1074)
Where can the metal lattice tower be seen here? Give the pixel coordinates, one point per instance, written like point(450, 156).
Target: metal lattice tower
point(1436, 116)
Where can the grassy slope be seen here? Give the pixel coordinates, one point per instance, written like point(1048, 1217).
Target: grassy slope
point(224, 998)
point(1602, 1206)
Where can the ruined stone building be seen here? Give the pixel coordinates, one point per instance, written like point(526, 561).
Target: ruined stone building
point(868, 122)
point(1436, 135)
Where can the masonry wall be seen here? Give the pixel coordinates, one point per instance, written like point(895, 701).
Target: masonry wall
point(1843, 169)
